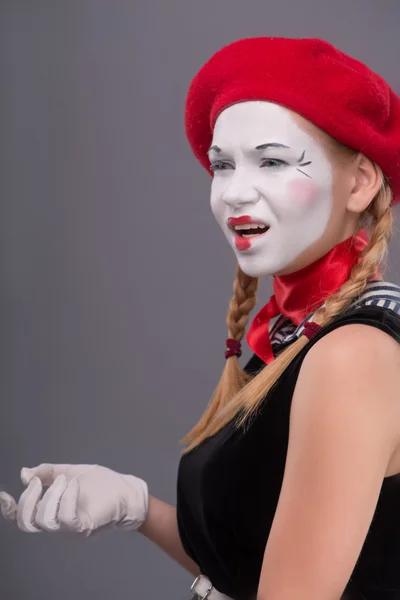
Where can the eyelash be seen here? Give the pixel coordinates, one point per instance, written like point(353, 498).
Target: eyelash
point(216, 166)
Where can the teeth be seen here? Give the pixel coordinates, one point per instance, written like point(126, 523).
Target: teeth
point(249, 226)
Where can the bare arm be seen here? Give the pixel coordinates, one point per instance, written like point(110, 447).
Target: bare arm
point(161, 528)
point(343, 433)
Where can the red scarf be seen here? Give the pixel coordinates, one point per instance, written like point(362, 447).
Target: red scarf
point(296, 295)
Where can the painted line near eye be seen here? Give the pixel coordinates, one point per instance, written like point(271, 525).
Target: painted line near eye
point(304, 173)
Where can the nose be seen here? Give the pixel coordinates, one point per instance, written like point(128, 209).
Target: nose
point(240, 192)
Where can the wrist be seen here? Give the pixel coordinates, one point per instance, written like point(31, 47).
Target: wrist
point(144, 528)
point(133, 504)
point(158, 516)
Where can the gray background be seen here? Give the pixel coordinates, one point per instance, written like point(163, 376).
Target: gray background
point(115, 279)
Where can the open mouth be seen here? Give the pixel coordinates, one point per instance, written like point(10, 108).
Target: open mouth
point(250, 230)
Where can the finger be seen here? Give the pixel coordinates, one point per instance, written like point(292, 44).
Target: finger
point(46, 472)
point(27, 506)
point(47, 509)
point(8, 507)
point(68, 516)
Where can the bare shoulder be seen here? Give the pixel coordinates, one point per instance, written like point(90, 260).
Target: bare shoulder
point(354, 347)
point(355, 370)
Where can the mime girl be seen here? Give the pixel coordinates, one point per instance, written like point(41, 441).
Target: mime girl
point(288, 485)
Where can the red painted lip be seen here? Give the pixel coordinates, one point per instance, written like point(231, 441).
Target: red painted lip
point(241, 243)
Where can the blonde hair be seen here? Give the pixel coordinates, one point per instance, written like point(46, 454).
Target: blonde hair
point(238, 391)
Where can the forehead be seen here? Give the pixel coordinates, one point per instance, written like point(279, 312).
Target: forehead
point(258, 122)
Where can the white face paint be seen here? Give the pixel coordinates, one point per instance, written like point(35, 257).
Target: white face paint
point(289, 189)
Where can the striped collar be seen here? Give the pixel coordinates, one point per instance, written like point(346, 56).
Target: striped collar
point(376, 293)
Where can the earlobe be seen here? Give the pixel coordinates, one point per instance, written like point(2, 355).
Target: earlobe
point(367, 181)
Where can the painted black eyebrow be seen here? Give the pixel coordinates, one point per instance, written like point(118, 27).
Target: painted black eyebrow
point(215, 149)
point(271, 145)
point(260, 147)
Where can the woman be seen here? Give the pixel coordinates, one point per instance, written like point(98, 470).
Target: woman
point(288, 485)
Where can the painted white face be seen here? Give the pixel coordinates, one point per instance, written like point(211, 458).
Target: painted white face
point(268, 170)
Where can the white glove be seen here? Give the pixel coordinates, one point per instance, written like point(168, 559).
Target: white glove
point(81, 499)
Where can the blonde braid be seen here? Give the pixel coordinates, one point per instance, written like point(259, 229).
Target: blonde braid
point(243, 301)
point(233, 377)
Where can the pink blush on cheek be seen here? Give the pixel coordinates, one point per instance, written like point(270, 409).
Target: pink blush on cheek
point(303, 192)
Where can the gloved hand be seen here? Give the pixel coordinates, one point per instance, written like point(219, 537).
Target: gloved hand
point(81, 499)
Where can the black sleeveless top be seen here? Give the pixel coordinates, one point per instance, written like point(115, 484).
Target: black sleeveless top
point(228, 489)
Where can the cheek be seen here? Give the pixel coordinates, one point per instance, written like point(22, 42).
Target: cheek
point(215, 205)
point(303, 193)
point(216, 201)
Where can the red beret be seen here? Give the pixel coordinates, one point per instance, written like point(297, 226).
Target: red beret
point(336, 92)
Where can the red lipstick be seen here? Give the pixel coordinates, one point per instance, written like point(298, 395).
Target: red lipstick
point(244, 220)
point(244, 243)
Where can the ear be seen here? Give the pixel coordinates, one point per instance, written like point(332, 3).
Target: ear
point(367, 181)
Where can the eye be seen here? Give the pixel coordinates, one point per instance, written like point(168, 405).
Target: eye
point(220, 165)
point(273, 162)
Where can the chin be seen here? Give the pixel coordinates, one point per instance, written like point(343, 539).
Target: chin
point(255, 268)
